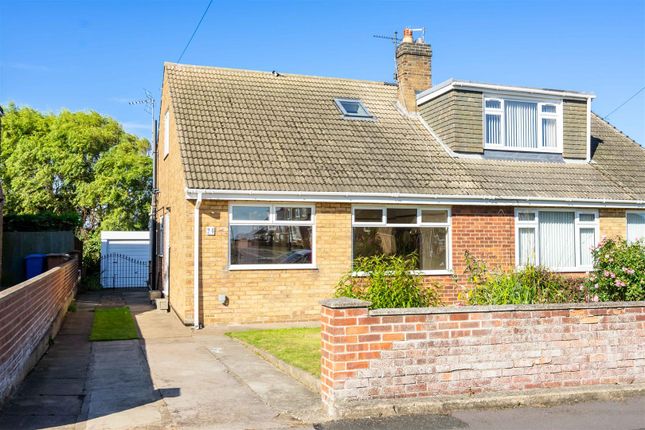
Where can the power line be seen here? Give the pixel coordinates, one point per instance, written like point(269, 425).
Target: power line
point(194, 32)
point(624, 103)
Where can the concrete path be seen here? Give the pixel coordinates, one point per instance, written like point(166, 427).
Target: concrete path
point(52, 395)
point(213, 382)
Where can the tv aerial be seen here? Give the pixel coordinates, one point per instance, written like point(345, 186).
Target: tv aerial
point(395, 42)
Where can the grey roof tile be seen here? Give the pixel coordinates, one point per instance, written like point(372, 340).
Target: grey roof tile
point(247, 130)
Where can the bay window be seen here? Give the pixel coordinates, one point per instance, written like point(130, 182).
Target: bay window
point(402, 231)
point(522, 125)
point(558, 239)
point(271, 236)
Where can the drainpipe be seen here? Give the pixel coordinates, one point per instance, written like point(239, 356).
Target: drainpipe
point(196, 325)
point(152, 225)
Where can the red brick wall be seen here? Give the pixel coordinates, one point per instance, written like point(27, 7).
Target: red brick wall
point(27, 313)
point(487, 233)
point(394, 354)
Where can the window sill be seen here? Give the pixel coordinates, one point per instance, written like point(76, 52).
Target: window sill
point(500, 148)
point(565, 269)
point(416, 272)
point(573, 270)
point(239, 267)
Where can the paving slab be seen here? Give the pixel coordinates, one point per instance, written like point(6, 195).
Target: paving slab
point(52, 386)
point(44, 405)
point(34, 422)
point(199, 389)
point(52, 394)
point(279, 391)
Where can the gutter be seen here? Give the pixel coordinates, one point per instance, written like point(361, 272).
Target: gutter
point(406, 198)
point(451, 84)
point(196, 228)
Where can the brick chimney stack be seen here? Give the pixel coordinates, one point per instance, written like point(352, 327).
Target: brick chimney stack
point(413, 61)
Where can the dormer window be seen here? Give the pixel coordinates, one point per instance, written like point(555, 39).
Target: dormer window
point(522, 125)
point(353, 108)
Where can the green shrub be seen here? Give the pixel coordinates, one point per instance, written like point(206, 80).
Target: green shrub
point(91, 282)
point(619, 271)
point(530, 285)
point(387, 282)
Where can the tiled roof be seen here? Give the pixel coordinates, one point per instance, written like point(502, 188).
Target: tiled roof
point(245, 130)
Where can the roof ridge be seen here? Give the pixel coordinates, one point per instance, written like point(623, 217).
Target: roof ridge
point(172, 65)
point(617, 129)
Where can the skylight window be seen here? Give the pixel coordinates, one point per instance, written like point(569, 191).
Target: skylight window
point(353, 108)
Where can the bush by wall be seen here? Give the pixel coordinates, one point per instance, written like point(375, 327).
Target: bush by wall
point(619, 271)
point(387, 282)
point(530, 285)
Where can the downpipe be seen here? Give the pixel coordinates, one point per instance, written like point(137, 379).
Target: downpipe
point(196, 235)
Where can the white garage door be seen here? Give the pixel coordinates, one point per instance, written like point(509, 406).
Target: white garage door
point(125, 257)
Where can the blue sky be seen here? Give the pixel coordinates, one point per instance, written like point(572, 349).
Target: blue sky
point(91, 55)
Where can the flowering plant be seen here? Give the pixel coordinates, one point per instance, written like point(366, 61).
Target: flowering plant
point(619, 271)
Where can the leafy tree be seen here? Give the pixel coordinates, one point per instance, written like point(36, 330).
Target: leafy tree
point(79, 162)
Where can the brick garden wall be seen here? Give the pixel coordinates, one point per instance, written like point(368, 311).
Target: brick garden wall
point(420, 353)
point(31, 313)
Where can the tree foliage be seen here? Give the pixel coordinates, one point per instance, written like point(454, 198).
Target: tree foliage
point(44, 221)
point(79, 162)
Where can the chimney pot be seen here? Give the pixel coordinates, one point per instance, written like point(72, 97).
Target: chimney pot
point(407, 35)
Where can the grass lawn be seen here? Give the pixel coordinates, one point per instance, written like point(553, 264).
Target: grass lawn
point(113, 324)
point(300, 347)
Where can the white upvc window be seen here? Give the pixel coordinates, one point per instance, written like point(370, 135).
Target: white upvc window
point(401, 230)
point(635, 226)
point(559, 239)
point(522, 124)
point(271, 236)
point(166, 134)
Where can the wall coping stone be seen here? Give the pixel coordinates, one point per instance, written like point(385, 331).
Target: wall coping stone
point(6, 293)
point(346, 303)
point(502, 308)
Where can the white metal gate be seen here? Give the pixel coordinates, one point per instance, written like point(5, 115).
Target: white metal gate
point(123, 271)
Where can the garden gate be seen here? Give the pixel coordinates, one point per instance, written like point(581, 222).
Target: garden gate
point(124, 271)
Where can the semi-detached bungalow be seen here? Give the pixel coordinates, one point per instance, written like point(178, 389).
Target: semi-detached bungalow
point(271, 183)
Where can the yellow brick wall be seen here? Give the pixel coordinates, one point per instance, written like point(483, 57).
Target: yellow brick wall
point(271, 295)
point(613, 222)
point(171, 199)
